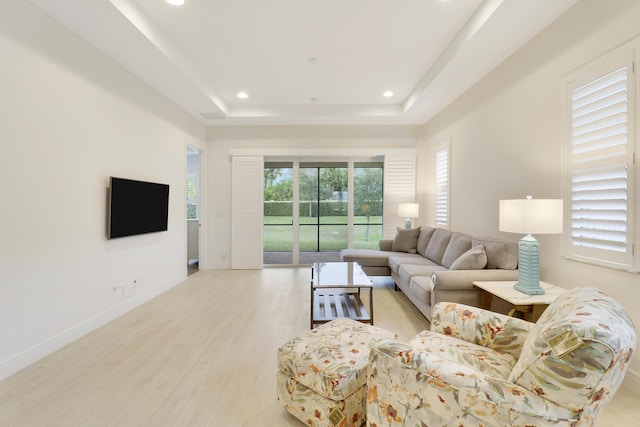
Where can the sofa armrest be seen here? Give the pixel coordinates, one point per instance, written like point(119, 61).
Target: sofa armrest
point(463, 279)
point(409, 386)
point(385, 244)
point(457, 285)
point(483, 327)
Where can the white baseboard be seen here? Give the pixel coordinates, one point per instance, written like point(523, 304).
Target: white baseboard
point(632, 381)
point(218, 265)
point(20, 361)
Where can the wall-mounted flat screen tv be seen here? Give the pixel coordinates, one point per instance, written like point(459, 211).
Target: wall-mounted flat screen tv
point(137, 207)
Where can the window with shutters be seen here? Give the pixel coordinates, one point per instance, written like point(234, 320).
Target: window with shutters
point(399, 187)
point(599, 163)
point(442, 184)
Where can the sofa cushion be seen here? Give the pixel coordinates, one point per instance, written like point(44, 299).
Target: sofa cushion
point(474, 259)
point(406, 240)
point(366, 257)
point(500, 254)
point(458, 244)
point(407, 271)
point(423, 239)
point(395, 261)
point(421, 287)
point(437, 245)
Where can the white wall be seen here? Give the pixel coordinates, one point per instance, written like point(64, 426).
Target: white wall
point(506, 140)
point(339, 140)
point(70, 118)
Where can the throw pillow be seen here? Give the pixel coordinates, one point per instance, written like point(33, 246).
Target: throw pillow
point(458, 244)
point(500, 254)
point(423, 239)
point(437, 245)
point(473, 259)
point(406, 240)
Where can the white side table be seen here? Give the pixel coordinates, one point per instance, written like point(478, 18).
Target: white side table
point(532, 306)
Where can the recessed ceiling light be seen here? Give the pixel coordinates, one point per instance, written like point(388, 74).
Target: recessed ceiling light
point(387, 94)
point(313, 61)
point(176, 2)
point(243, 95)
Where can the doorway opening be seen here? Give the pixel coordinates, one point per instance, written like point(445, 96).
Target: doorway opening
point(193, 210)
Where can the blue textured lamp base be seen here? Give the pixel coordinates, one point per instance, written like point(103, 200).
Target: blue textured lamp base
point(529, 266)
point(407, 223)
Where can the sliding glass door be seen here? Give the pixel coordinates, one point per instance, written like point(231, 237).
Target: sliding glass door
point(323, 211)
point(278, 213)
point(308, 214)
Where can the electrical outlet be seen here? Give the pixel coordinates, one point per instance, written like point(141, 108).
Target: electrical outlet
point(128, 288)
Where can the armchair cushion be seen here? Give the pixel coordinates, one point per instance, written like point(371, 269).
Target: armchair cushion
point(471, 358)
point(492, 330)
point(412, 387)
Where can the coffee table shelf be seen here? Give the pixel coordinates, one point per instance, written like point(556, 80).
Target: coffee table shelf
point(329, 306)
point(336, 292)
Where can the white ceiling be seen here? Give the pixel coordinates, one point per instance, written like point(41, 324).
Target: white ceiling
point(308, 61)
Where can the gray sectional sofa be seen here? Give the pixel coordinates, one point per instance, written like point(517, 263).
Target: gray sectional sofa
point(431, 265)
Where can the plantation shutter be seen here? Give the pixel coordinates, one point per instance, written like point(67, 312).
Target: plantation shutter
point(600, 160)
point(246, 212)
point(399, 187)
point(442, 186)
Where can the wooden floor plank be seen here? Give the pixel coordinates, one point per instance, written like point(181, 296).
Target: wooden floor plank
point(201, 354)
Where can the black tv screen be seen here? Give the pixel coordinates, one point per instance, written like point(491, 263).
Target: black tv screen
point(137, 207)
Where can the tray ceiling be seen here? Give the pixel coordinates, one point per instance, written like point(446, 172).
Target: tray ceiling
point(308, 61)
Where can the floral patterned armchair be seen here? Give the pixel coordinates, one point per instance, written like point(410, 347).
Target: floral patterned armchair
point(478, 368)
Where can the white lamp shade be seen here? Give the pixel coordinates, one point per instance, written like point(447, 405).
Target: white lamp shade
point(531, 216)
point(408, 210)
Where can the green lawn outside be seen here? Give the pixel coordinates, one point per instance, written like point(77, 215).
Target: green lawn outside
point(278, 237)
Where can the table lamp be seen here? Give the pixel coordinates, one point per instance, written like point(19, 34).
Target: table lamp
point(530, 216)
point(408, 210)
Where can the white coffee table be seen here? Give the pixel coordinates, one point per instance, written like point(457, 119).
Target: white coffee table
point(335, 292)
point(531, 306)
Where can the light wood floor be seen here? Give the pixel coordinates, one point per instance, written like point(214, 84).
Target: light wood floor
point(202, 354)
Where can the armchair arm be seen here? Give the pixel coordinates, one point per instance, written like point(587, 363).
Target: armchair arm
point(472, 324)
point(412, 387)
